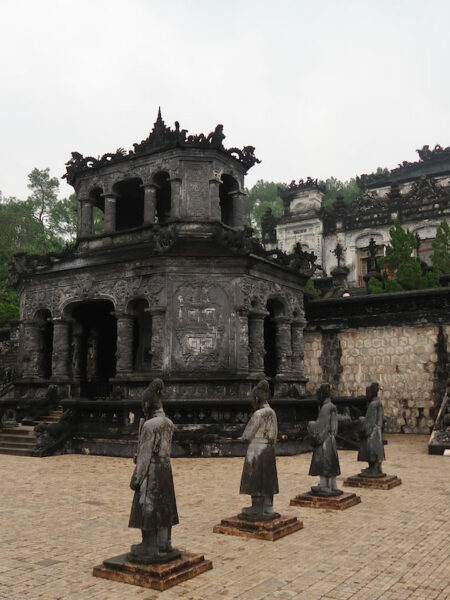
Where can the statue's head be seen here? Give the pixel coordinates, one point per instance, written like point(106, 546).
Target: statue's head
point(372, 390)
point(260, 394)
point(151, 399)
point(323, 392)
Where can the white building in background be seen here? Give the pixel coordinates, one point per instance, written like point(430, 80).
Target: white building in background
point(417, 193)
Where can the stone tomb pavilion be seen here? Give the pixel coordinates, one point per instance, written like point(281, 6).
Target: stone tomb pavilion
point(164, 281)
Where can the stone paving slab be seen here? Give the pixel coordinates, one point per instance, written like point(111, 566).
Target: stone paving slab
point(61, 516)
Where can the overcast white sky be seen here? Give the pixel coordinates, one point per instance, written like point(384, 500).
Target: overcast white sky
point(319, 87)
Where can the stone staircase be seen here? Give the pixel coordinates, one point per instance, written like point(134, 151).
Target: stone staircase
point(18, 440)
point(21, 440)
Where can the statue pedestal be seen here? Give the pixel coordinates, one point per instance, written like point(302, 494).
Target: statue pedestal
point(261, 530)
point(340, 502)
point(387, 482)
point(157, 576)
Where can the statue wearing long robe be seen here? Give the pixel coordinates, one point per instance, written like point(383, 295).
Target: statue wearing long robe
point(154, 505)
point(325, 460)
point(259, 475)
point(371, 433)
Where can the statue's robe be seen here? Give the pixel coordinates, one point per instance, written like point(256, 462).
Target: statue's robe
point(372, 448)
point(154, 503)
point(325, 460)
point(259, 475)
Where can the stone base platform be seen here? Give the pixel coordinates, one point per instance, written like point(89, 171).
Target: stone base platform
point(375, 483)
point(261, 530)
point(158, 576)
point(340, 502)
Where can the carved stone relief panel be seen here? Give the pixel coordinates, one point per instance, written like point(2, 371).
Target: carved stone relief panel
point(201, 326)
point(196, 192)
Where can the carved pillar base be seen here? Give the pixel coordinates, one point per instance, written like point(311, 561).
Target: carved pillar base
point(283, 346)
point(31, 344)
point(124, 355)
point(61, 349)
point(256, 342)
point(297, 347)
point(157, 340)
point(76, 356)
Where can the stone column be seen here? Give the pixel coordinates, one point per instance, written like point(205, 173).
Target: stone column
point(31, 343)
point(283, 344)
point(256, 341)
point(149, 203)
point(242, 348)
point(76, 355)
point(124, 353)
point(85, 217)
point(61, 349)
point(157, 340)
point(175, 196)
point(238, 208)
point(110, 212)
point(214, 199)
point(297, 346)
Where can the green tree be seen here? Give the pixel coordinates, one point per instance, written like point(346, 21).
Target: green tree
point(44, 194)
point(403, 270)
point(334, 187)
point(63, 219)
point(19, 232)
point(38, 225)
point(263, 195)
point(441, 248)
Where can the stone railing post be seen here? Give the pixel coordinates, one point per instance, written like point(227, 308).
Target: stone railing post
point(61, 349)
point(283, 348)
point(31, 346)
point(110, 212)
point(124, 352)
point(256, 341)
point(242, 347)
point(149, 202)
point(157, 341)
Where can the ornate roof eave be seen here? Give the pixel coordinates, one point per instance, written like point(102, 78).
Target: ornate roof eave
point(405, 170)
point(161, 139)
point(302, 185)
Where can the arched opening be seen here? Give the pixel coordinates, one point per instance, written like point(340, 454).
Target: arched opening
point(275, 309)
point(129, 204)
point(163, 206)
point(43, 317)
point(94, 338)
point(227, 186)
point(142, 335)
point(98, 211)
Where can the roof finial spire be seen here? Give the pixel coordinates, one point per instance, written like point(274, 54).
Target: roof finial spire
point(159, 118)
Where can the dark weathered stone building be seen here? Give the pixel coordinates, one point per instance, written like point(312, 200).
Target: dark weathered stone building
point(164, 281)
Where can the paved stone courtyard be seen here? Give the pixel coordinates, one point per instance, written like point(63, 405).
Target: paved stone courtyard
point(62, 515)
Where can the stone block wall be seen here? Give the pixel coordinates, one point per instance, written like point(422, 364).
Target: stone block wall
point(409, 362)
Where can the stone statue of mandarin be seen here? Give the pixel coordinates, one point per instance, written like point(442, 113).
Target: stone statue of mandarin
point(154, 508)
point(325, 461)
point(370, 432)
point(259, 475)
